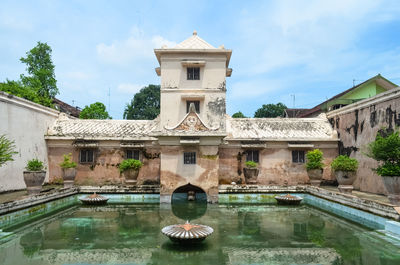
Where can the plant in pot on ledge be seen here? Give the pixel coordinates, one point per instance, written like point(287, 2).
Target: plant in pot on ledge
point(345, 169)
point(386, 150)
point(34, 176)
point(251, 172)
point(69, 171)
point(315, 166)
point(130, 169)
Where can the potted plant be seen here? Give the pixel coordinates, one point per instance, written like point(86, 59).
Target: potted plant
point(345, 169)
point(130, 169)
point(251, 172)
point(386, 150)
point(69, 170)
point(34, 176)
point(314, 166)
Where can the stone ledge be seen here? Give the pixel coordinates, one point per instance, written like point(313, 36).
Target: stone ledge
point(260, 189)
point(140, 189)
point(33, 200)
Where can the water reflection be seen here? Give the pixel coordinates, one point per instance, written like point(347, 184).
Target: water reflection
point(245, 234)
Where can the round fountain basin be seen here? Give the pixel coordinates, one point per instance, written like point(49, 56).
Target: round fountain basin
point(94, 199)
point(187, 233)
point(288, 199)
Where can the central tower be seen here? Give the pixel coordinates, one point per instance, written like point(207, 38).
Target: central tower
point(192, 115)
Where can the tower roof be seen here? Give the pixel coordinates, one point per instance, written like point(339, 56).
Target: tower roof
point(194, 42)
point(192, 45)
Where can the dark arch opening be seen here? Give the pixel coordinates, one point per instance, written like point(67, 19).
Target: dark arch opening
point(186, 209)
point(187, 192)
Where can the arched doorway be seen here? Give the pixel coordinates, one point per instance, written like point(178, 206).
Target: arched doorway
point(189, 192)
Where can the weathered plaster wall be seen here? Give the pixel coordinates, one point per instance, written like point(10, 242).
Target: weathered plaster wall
point(104, 171)
point(358, 124)
point(26, 123)
point(174, 173)
point(276, 167)
point(210, 90)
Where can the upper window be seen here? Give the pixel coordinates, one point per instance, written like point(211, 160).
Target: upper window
point(196, 105)
point(298, 156)
point(252, 155)
point(132, 154)
point(193, 73)
point(86, 156)
point(189, 158)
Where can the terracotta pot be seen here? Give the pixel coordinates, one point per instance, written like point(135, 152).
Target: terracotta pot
point(250, 175)
point(392, 185)
point(131, 176)
point(315, 176)
point(34, 180)
point(69, 177)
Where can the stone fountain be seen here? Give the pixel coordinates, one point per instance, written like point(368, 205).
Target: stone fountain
point(188, 233)
point(94, 199)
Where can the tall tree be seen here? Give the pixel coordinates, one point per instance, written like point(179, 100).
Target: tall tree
point(270, 111)
point(40, 68)
point(145, 105)
point(96, 111)
point(18, 89)
point(238, 114)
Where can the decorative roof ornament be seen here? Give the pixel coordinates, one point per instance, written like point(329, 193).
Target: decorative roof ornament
point(191, 122)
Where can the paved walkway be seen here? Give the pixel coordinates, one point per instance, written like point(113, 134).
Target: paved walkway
point(17, 195)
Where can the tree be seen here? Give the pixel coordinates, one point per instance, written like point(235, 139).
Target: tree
point(18, 89)
point(145, 105)
point(238, 114)
point(270, 111)
point(95, 111)
point(7, 148)
point(41, 71)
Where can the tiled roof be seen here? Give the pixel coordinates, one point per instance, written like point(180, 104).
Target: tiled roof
point(276, 129)
point(194, 42)
point(102, 129)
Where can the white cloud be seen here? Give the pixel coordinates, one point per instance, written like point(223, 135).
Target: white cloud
point(128, 88)
point(317, 35)
point(137, 46)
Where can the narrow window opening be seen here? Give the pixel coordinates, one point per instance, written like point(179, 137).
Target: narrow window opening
point(189, 158)
point(193, 73)
point(298, 156)
point(86, 156)
point(252, 155)
point(196, 105)
point(133, 154)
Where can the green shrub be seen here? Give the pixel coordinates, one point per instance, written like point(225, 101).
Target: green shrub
point(314, 159)
point(7, 148)
point(344, 163)
point(130, 164)
point(35, 165)
point(68, 163)
point(251, 164)
point(386, 149)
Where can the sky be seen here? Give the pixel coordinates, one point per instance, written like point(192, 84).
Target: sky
point(296, 52)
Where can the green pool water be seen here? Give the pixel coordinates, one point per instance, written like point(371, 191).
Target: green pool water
point(243, 234)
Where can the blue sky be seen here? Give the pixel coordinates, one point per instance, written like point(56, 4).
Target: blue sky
point(310, 49)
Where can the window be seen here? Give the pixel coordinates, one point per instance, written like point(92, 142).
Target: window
point(252, 155)
point(86, 156)
point(196, 105)
point(193, 73)
point(297, 156)
point(132, 154)
point(189, 158)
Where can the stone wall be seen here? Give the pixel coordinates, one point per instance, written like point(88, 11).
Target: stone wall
point(275, 164)
point(104, 171)
point(357, 125)
point(26, 123)
point(174, 173)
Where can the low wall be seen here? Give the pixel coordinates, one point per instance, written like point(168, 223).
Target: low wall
point(357, 125)
point(26, 123)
